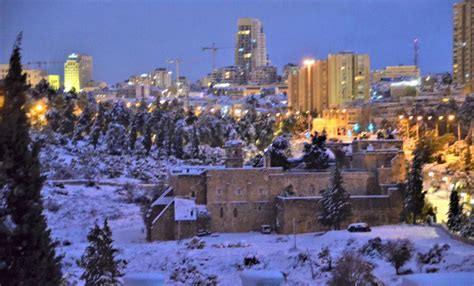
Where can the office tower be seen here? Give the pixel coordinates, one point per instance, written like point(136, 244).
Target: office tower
point(250, 46)
point(348, 78)
point(77, 72)
point(463, 42)
point(308, 87)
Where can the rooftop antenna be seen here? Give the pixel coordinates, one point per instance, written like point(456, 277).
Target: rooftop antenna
point(416, 49)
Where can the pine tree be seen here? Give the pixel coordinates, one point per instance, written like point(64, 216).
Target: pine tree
point(115, 139)
point(315, 156)
point(98, 126)
point(147, 141)
point(83, 124)
point(194, 152)
point(414, 198)
point(99, 263)
point(335, 201)
point(68, 119)
point(27, 255)
point(454, 212)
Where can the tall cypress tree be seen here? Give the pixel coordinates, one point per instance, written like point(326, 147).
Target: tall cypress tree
point(454, 211)
point(335, 201)
point(27, 255)
point(99, 263)
point(414, 198)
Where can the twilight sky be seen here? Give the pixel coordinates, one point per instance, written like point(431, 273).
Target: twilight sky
point(127, 37)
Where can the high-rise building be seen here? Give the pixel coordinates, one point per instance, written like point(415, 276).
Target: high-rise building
point(348, 78)
point(162, 77)
point(463, 43)
point(308, 87)
point(77, 72)
point(250, 46)
point(264, 75)
point(288, 69)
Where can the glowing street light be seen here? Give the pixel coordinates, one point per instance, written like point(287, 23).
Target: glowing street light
point(308, 62)
point(450, 118)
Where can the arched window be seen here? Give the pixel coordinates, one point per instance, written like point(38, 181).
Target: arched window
point(193, 194)
point(235, 212)
point(222, 212)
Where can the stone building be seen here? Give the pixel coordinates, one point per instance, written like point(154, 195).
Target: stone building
point(236, 198)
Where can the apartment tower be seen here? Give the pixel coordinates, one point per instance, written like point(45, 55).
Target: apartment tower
point(250, 47)
point(463, 43)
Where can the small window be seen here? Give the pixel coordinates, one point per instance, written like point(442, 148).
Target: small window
point(222, 212)
point(192, 212)
point(219, 192)
point(238, 192)
point(235, 212)
point(259, 208)
point(193, 194)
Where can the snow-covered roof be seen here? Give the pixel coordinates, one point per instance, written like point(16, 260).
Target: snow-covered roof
point(184, 209)
point(162, 201)
point(234, 142)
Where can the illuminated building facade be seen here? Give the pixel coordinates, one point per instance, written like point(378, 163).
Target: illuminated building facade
point(264, 75)
point(308, 87)
point(250, 47)
point(77, 72)
point(54, 81)
point(162, 77)
point(33, 76)
point(348, 78)
point(463, 43)
point(391, 72)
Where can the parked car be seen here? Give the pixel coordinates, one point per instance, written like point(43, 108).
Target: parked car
point(203, 232)
point(266, 229)
point(358, 227)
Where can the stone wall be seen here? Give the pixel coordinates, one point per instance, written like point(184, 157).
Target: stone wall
point(374, 210)
point(163, 228)
point(190, 185)
point(241, 216)
point(311, 183)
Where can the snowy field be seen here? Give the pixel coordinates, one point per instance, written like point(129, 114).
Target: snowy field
point(72, 211)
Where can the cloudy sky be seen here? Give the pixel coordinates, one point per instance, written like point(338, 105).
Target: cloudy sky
point(128, 37)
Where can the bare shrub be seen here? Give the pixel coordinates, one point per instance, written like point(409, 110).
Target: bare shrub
point(398, 252)
point(352, 270)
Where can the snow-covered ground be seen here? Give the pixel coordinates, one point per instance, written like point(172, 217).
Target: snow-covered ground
point(72, 211)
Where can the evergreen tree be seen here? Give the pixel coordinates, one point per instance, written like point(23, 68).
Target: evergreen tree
point(335, 202)
point(414, 198)
point(68, 119)
point(115, 139)
point(98, 126)
point(99, 263)
point(132, 138)
point(466, 158)
point(147, 142)
point(27, 255)
point(194, 152)
point(278, 153)
point(315, 156)
point(83, 124)
point(454, 212)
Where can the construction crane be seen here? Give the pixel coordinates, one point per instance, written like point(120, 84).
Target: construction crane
point(177, 62)
point(41, 63)
point(213, 48)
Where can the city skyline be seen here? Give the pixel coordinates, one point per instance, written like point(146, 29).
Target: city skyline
point(132, 40)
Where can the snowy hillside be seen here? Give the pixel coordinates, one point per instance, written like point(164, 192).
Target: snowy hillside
point(72, 211)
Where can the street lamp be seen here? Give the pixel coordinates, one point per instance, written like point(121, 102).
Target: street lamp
point(450, 118)
point(418, 119)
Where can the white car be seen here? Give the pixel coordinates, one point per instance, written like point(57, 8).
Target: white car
point(359, 227)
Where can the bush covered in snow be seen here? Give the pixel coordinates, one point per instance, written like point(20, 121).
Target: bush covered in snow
point(373, 248)
point(187, 273)
point(196, 243)
point(398, 252)
point(352, 269)
point(434, 256)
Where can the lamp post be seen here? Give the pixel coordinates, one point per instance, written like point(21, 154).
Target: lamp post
point(450, 118)
point(418, 119)
point(437, 127)
point(308, 63)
